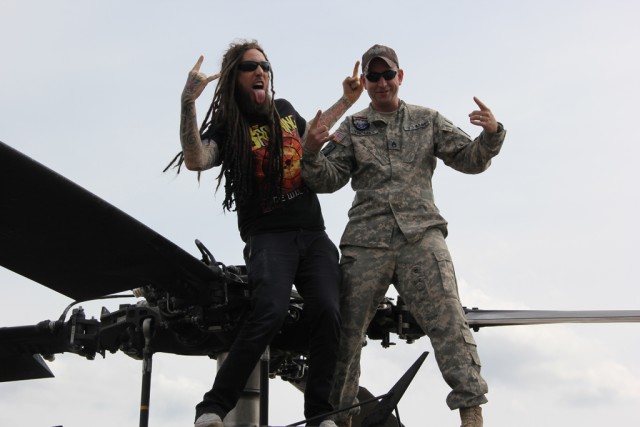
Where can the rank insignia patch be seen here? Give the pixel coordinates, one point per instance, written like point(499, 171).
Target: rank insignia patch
point(360, 123)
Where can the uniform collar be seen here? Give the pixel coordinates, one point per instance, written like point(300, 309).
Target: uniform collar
point(377, 116)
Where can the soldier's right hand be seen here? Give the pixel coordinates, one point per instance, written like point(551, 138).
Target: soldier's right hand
point(317, 134)
point(196, 82)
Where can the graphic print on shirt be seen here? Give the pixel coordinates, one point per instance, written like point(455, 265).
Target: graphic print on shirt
point(291, 156)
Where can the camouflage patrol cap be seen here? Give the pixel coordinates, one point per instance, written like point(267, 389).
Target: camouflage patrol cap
point(385, 53)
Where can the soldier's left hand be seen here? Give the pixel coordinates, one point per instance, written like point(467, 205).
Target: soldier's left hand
point(483, 117)
point(351, 86)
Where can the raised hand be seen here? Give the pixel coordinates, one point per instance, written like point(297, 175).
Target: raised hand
point(196, 82)
point(352, 87)
point(483, 117)
point(317, 134)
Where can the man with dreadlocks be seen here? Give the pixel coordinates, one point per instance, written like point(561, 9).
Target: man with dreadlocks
point(257, 141)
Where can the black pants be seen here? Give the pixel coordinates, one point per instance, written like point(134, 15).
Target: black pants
point(276, 261)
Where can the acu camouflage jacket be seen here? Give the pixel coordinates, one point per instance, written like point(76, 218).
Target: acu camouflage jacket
point(390, 159)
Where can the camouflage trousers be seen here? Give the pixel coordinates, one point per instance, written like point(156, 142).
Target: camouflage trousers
point(423, 275)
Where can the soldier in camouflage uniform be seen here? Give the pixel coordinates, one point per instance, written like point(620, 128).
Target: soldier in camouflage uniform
point(395, 232)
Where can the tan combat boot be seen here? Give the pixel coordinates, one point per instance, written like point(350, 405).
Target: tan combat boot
point(471, 417)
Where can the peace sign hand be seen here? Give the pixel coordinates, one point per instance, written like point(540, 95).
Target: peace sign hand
point(352, 87)
point(483, 117)
point(196, 82)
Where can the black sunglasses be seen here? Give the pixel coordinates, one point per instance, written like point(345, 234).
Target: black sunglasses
point(252, 65)
point(374, 77)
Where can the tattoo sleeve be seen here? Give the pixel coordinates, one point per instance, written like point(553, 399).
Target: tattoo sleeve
point(331, 116)
point(197, 156)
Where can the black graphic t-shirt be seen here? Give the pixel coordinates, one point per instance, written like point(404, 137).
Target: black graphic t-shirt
point(299, 207)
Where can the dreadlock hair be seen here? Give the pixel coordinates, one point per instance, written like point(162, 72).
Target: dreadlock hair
point(225, 118)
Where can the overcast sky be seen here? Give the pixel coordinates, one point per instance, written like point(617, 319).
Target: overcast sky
point(92, 89)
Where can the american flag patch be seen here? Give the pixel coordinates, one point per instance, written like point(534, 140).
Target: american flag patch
point(338, 136)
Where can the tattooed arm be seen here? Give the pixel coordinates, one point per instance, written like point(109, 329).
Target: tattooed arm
point(318, 128)
point(198, 155)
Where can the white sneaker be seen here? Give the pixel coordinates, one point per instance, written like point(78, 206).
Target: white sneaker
point(208, 420)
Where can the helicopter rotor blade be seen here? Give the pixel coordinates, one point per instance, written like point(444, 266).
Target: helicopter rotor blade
point(64, 237)
point(481, 318)
point(22, 367)
point(21, 348)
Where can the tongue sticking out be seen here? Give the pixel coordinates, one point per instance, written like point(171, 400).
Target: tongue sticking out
point(259, 95)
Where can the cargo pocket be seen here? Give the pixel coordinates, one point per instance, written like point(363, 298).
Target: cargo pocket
point(447, 274)
point(471, 345)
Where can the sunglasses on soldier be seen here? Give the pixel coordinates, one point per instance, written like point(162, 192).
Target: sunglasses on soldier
point(374, 77)
point(252, 65)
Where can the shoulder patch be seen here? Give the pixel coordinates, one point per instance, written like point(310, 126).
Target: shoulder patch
point(360, 123)
point(338, 137)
